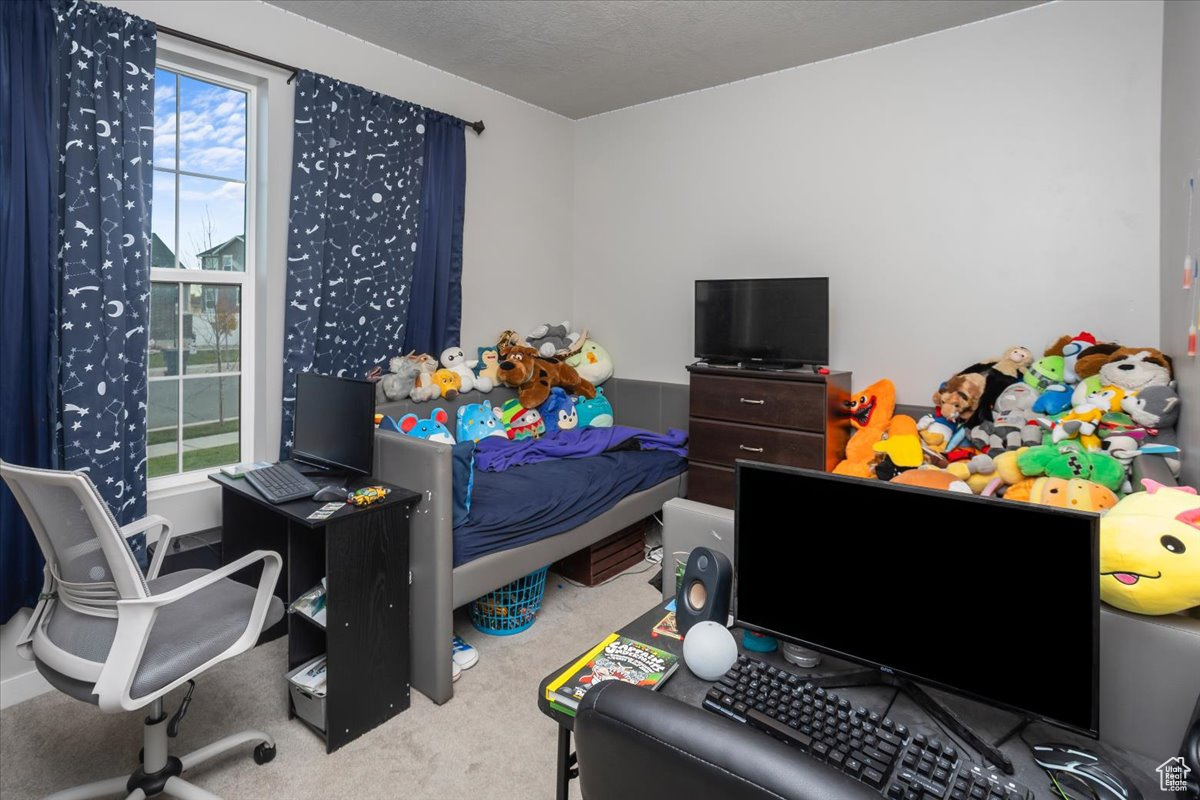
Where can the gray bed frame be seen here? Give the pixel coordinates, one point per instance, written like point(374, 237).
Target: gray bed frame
point(437, 586)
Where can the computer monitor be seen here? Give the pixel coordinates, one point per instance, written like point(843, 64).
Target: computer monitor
point(334, 423)
point(993, 599)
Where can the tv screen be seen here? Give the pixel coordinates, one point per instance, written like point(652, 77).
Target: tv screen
point(335, 422)
point(773, 320)
point(992, 599)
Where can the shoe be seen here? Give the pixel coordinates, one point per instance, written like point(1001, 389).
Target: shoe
point(455, 672)
point(465, 656)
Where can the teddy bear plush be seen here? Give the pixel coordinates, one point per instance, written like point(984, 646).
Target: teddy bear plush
point(424, 387)
point(999, 374)
point(955, 402)
point(532, 376)
point(455, 360)
point(1129, 368)
point(549, 339)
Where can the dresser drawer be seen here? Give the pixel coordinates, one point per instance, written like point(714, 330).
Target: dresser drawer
point(712, 485)
point(722, 443)
point(781, 404)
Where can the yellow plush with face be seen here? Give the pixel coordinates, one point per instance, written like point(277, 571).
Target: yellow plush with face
point(1150, 551)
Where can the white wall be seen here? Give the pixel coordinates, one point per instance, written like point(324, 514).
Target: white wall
point(990, 185)
point(1180, 161)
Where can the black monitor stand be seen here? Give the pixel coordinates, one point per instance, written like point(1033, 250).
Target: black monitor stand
point(310, 469)
point(929, 704)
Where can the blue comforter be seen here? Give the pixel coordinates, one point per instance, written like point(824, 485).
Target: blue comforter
point(494, 453)
point(527, 503)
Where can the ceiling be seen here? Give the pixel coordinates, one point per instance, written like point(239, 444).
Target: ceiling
point(583, 58)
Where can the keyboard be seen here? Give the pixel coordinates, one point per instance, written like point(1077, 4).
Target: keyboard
point(873, 749)
point(280, 483)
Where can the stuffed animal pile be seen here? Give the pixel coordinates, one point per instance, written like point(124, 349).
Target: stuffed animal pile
point(1060, 429)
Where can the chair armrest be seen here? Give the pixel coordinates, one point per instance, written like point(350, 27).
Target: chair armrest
point(135, 618)
point(164, 539)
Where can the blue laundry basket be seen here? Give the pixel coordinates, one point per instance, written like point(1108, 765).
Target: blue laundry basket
point(512, 608)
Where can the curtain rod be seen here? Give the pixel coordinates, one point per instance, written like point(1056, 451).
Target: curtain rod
point(476, 126)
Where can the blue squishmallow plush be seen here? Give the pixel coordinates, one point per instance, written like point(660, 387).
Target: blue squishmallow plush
point(434, 429)
point(594, 413)
point(477, 421)
point(558, 411)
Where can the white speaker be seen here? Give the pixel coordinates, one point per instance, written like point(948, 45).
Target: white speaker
point(709, 650)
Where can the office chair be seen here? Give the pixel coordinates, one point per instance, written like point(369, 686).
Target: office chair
point(104, 634)
point(629, 740)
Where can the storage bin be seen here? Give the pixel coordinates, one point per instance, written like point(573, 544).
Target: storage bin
point(512, 608)
point(310, 706)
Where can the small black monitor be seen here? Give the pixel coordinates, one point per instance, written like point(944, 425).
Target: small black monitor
point(992, 599)
point(335, 422)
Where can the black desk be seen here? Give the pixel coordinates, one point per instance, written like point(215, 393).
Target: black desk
point(991, 723)
point(363, 555)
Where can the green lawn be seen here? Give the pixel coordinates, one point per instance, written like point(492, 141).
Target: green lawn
point(195, 459)
point(164, 435)
point(229, 358)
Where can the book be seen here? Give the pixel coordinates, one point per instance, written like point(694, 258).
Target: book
point(618, 658)
point(667, 626)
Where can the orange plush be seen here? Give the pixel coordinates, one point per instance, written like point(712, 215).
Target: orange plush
point(532, 376)
point(932, 479)
point(870, 413)
point(1073, 493)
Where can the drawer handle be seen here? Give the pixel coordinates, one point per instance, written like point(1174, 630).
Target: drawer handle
point(752, 402)
point(750, 449)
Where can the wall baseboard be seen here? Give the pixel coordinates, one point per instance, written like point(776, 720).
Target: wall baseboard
point(22, 687)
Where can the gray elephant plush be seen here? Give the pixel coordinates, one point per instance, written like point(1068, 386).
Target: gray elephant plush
point(549, 339)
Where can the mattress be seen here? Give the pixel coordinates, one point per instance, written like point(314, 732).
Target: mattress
point(525, 504)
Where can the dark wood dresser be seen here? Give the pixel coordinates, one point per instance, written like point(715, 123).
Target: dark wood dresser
point(793, 417)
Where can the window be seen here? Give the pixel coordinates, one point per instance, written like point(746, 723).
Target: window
point(201, 275)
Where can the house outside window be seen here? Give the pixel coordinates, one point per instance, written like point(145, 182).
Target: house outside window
point(201, 275)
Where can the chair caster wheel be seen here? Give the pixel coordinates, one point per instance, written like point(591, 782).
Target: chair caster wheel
point(264, 753)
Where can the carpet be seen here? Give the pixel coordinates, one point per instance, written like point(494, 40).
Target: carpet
point(489, 741)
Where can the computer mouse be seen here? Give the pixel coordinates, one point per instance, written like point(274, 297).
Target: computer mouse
point(1086, 768)
point(330, 494)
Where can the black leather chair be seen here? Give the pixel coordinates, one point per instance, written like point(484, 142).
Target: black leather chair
point(632, 742)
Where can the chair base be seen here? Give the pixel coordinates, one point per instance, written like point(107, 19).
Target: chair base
point(159, 774)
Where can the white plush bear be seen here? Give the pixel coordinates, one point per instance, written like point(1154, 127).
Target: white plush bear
point(455, 360)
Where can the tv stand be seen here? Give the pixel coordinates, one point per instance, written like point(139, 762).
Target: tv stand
point(929, 704)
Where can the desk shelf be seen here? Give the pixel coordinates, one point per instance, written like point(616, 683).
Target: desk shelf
point(363, 555)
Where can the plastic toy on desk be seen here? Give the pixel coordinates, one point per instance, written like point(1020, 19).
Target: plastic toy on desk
point(368, 495)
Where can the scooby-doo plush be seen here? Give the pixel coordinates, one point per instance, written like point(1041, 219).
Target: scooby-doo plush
point(532, 376)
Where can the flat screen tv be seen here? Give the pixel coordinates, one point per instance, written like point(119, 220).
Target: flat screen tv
point(1001, 604)
point(767, 321)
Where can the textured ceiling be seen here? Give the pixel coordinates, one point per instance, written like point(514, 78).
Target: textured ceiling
point(582, 58)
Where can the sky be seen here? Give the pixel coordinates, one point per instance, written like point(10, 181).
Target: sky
point(201, 128)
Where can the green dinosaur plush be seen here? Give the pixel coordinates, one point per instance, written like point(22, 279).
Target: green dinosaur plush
point(1069, 460)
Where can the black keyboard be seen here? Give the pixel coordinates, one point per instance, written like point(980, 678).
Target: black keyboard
point(280, 483)
point(876, 750)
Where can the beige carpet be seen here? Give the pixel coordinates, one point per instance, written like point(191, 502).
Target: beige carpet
point(490, 741)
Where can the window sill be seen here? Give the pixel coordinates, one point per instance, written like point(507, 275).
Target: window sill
point(170, 485)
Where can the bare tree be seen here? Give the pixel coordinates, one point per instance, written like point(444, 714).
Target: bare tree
point(219, 318)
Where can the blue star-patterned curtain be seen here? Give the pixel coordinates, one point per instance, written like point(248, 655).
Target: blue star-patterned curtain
point(352, 233)
point(105, 145)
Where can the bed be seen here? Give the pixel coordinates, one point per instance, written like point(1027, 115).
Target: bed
point(496, 551)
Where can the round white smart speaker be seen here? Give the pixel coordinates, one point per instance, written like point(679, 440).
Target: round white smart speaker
point(709, 650)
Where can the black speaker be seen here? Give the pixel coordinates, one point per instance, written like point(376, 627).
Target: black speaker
point(704, 593)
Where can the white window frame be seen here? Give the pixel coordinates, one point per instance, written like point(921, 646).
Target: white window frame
point(246, 280)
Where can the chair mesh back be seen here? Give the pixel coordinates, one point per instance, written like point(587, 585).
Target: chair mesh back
point(76, 543)
point(57, 506)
